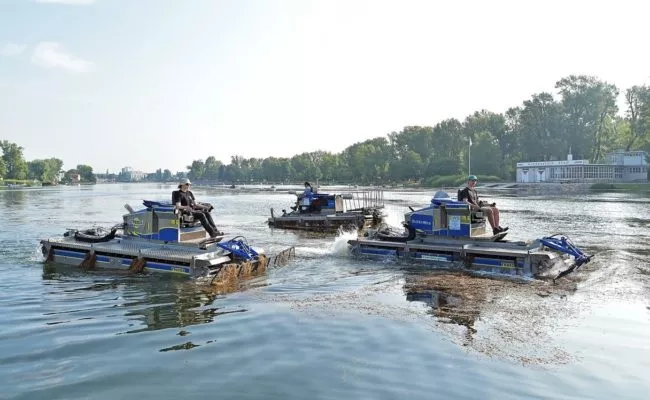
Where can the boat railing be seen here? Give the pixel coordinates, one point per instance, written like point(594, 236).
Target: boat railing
point(363, 199)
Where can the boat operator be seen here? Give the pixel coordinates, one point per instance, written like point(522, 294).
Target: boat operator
point(470, 196)
point(184, 200)
point(308, 190)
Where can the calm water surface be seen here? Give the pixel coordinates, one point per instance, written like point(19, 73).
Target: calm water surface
point(325, 326)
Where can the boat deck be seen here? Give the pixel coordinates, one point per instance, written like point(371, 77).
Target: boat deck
point(137, 248)
point(324, 216)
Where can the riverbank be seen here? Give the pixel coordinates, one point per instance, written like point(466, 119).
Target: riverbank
point(567, 188)
point(621, 187)
point(505, 186)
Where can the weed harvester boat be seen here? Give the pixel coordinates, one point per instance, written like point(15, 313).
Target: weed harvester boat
point(448, 234)
point(158, 238)
point(327, 212)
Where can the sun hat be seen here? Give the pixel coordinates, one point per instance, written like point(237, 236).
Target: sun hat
point(472, 178)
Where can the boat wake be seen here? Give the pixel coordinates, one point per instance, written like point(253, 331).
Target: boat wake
point(340, 246)
point(394, 216)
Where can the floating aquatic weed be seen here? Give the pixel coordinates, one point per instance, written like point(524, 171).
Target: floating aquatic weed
point(503, 318)
point(184, 346)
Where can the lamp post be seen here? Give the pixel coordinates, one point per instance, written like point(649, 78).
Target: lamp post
point(469, 157)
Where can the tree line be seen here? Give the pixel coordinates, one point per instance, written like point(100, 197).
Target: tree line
point(13, 167)
point(582, 118)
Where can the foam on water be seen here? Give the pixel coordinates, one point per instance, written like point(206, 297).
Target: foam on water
point(340, 245)
point(311, 251)
point(394, 216)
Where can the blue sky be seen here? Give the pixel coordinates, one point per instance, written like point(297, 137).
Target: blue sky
point(158, 83)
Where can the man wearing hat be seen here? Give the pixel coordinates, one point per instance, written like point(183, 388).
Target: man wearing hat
point(184, 200)
point(470, 196)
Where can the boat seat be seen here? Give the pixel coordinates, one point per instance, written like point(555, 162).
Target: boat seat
point(475, 216)
point(186, 220)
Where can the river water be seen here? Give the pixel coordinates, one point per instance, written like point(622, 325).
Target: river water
point(325, 326)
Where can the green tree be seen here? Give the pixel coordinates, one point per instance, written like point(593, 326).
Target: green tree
point(589, 104)
point(86, 173)
point(541, 128)
point(14, 163)
point(35, 169)
point(443, 167)
point(233, 171)
point(197, 170)
point(305, 168)
point(417, 139)
point(211, 168)
point(276, 169)
point(366, 162)
point(44, 170)
point(448, 140)
point(67, 177)
point(494, 125)
point(637, 116)
point(408, 166)
point(254, 169)
point(52, 168)
point(328, 164)
point(483, 161)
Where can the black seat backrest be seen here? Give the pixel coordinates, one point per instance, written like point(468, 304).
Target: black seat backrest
point(476, 216)
point(186, 220)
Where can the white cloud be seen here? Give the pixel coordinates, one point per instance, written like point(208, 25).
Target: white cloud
point(75, 2)
point(53, 55)
point(12, 49)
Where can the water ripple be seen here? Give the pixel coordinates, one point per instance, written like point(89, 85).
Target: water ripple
point(326, 326)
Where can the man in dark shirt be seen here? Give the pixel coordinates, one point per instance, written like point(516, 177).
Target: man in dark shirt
point(470, 196)
point(184, 200)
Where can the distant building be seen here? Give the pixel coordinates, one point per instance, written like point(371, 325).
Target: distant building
point(620, 166)
point(129, 175)
point(106, 178)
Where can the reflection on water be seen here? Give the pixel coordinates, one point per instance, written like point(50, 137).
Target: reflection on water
point(12, 199)
point(461, 298)
point(152, 302)
point(445, 306)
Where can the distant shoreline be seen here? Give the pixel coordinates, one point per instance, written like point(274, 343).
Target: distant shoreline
point(537, 187)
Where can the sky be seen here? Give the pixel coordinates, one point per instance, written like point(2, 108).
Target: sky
point(159, 83)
